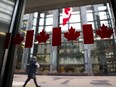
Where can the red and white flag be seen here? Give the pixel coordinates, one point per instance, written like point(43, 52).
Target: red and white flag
point(66, 15)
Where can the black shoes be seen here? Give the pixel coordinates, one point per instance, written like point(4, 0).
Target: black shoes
point(38, 86)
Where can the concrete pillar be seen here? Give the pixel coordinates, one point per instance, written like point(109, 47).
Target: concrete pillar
point(96, 17)
point(27, 51)
point(24, 59)
point(53, 64)
point(87, 59)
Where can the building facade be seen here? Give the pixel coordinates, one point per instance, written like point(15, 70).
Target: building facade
point(73, 57)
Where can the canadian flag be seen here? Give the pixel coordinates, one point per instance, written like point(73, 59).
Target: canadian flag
point(66, 15)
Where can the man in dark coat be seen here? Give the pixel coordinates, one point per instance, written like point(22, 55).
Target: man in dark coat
point(31, 71)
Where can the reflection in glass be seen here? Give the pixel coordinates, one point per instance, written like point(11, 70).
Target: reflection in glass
point(6, 10)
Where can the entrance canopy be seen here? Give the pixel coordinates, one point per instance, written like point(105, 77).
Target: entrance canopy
point(43, 5)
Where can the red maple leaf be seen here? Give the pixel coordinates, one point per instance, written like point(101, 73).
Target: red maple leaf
point(18, 39)
point(104, 32)
point(42, 37)
point(71, 34)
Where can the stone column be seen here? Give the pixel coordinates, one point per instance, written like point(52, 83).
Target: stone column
point(27, 51)
point(87, 59)
point(53, 64)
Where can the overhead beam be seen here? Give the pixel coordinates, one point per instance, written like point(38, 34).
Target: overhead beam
point(43, 5)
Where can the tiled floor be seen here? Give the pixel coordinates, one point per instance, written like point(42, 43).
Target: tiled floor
point(67, 81)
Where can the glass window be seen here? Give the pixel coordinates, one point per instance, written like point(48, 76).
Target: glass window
point(75, 9)
point(102, 15)
point(61, 19)
point(92, 24)
point(24, 24)
point(75, 18)
point(49, 13)
point(89, 16)
point(35, 14)
point(104, 22)
point(48, 28)
point(71, 52)
point(76, 26)
point(40, 29)
point(89, 11)
point(102, 8)
point(89, 7)
point(34, 22)
point(42, 15)
point(49, 21)
point(64, 28)
point(41, 21)
point(48, 48)
point(42, 49)
point(43, 59)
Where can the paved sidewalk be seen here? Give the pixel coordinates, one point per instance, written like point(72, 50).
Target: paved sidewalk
point(67, 81)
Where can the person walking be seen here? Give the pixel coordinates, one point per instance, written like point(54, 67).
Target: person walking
point(31, 71)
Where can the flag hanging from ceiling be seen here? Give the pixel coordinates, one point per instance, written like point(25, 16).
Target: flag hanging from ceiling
point(66, 15)
point(29, 39)
point(56, 36)
point(88, 34)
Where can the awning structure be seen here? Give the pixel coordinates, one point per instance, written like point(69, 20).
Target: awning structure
point(43, 5)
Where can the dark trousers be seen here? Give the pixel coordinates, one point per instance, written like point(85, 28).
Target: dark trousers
point(29, 78)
